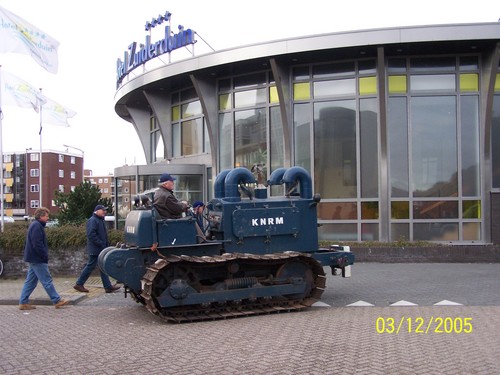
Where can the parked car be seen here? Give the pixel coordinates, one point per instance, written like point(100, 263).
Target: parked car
point(8, 219)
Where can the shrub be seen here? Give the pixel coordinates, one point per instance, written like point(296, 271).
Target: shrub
point(13, 237)
point(59, 238)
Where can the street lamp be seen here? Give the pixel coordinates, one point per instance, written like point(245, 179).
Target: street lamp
point(83, 157)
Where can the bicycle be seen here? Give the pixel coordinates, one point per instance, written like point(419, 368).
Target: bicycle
point(1, 267)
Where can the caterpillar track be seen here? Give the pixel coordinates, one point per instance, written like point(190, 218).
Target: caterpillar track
point(258, 254)
point(231, 285)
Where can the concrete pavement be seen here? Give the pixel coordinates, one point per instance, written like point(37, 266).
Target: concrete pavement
point(107, 334)
point(85, 339)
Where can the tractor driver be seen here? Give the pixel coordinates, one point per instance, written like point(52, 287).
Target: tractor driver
point(165, 202)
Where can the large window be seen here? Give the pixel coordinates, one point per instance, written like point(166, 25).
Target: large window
point(155, 140)
point(434, 146)
point(276, 136)
point(495, 140)
point(397, 134)
point(335, 149)
point(189, 133)
point(368, 137)
point(339, 100)
point(250, 124)
point(470, 141)
point(302, 140)
point(226, 131)
point(250, 137)
point(433, 149)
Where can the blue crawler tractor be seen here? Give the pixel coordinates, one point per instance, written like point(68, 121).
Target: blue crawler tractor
point(261, 254)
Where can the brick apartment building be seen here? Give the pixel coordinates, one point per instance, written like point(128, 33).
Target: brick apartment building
point(26, 186)
point(105, 183)
point(30, 179)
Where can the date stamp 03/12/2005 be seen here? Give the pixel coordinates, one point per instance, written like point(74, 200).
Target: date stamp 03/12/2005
point(421, 325)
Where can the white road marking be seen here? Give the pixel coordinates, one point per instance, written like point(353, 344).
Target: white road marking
point(445, 302)
point(360, 304)
point(403, 303)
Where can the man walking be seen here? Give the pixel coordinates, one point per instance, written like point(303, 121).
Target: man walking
point(36, 253)
point(97, 240)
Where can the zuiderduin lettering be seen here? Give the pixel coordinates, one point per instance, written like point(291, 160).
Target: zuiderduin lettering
point(134, 57)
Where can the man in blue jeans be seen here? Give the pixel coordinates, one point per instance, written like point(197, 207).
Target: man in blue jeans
point(97, 240)
point(36, 253)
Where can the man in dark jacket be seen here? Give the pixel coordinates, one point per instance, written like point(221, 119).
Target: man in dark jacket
point(165, 202)
point(97, 240)
point(36, 253)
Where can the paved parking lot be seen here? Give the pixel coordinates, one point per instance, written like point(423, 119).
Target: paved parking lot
point(124, 340)
point(107, 334)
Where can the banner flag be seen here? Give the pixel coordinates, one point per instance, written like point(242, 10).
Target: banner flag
point(20, 93)
point(19, 36)
point(55, 114)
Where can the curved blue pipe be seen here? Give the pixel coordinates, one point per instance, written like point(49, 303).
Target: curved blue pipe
point(276, 177)
point(298, 173)
point(219, 183)
point(233, 179)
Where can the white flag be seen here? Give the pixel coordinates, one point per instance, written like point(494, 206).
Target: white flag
point(20, 93)
point(19, 36)
point(55, 114)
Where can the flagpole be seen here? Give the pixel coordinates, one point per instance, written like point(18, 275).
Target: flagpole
point(1, 152)
point(41, 152)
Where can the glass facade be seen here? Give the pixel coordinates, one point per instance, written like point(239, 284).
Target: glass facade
point(397, 152)
point(433, 157)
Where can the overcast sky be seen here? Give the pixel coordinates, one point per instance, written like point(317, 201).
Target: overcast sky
point(93, 34)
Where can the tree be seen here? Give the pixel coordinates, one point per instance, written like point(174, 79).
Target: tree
point(77, 206)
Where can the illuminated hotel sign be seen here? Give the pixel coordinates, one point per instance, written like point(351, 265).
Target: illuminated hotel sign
point(134, 57)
